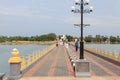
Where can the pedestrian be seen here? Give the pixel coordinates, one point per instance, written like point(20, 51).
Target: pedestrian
point(56, 44)
point(76, 45)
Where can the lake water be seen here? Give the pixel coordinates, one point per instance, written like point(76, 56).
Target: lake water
point(110, 47)
point(5, 53)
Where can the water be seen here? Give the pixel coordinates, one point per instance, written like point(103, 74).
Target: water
point(110, 47)
point(5, 53)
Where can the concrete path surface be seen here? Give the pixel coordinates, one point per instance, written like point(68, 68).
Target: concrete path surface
point(56, 65)
point(99, 66)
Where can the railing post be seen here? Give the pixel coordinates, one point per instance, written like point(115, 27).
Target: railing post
point(113, 55)
point(118, 58)
point(23, 64)
point(29, 61)
point(33, 57)
point(108, 54)
point(15, 64)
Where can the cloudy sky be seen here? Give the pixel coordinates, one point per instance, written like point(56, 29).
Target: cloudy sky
point(36, 17)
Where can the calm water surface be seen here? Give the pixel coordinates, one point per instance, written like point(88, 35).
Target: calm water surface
point(110, 47)
point(5, 53)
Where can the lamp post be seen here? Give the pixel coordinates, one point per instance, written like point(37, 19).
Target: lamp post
point(81, 3)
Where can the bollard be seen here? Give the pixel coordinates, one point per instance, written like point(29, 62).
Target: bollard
point(15, 62)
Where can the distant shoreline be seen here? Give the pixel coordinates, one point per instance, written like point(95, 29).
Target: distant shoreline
point(28, 42)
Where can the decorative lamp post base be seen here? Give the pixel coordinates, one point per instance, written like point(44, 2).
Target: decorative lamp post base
point(82, 68)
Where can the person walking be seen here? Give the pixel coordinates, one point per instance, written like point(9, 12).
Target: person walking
point(76, 45)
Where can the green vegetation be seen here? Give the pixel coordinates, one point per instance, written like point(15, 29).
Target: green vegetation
point(102, 39)
point(53, 37)
point(70, 38)
point(45, 37)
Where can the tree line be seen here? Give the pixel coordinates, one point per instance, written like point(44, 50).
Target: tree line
point(53, 37)
point(102, 39)
point(44, 37)
point(97, 39)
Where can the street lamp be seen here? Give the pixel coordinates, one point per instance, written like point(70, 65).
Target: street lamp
point(81, 3)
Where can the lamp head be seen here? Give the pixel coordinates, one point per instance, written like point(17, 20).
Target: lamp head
point(91, 9)
point(77, 2)
point(87, 2)
point(72, 8)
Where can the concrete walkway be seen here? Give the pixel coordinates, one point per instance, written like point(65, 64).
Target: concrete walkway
point(56, 65)
point(99, 66)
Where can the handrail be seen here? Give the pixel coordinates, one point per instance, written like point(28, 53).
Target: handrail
point(19, 65)
point(112, 55)
point(32, 58)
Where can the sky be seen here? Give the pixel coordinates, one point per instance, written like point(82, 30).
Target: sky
point(37, 17)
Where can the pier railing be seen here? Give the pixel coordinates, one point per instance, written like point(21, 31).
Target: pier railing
point(109, 54)
point(26, 61)
point(19, 65)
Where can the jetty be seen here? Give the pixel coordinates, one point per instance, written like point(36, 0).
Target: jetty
point(58, 62)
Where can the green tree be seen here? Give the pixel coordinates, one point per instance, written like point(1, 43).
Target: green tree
point(3, 38)
point(51, 37)
point(98, 38)
point(43, 38)
point(70, 38)
point(89, 38)
point(118, 39)
point(104, 38)
point(112, 39)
